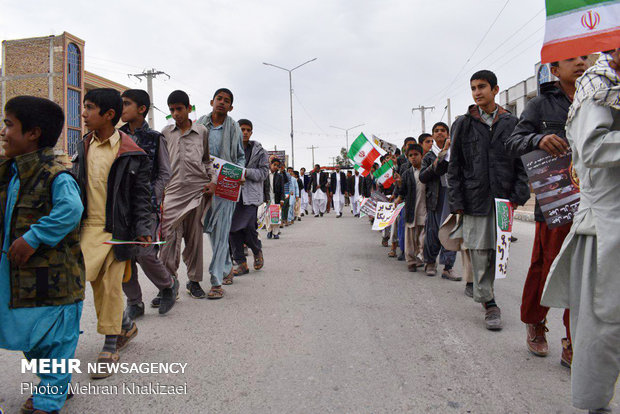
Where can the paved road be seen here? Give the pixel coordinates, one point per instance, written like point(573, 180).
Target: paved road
point(331, 325)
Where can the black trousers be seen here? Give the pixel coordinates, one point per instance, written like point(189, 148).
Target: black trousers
point(248, 236)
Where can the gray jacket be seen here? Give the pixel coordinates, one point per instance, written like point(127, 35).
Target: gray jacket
point(256, 172)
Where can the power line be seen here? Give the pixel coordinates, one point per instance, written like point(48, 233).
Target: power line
point(306, 111)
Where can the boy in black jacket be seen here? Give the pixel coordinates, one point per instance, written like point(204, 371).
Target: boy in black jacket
point(480, 170)
point(542, 126)
point(136, 104)
point(113, 175)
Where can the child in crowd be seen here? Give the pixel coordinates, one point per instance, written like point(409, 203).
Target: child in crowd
point(274, 187)
point(113, 174)
point(41, 267)
point(188, 192)
point(136, 104)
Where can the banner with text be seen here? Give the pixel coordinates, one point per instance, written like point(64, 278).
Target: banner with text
point(503, 221)
point(229, 176)
point(386, 215)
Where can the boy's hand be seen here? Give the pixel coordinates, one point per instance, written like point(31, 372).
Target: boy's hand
point(145, 239)
point(446, 145)
point(553, 145)
point(20, 252)
point(210, 189)
point(397, 178)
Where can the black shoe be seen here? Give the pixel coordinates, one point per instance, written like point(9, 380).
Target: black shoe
point(276, 236)
point(156, 301)
point(306, 211)
point(269, 235)
point(401, 257)
point(339, 215)
point(195, 291)
point(298, 218)
point(321, 214)
point(169, 297)
point(316, 215)
point(135, 311)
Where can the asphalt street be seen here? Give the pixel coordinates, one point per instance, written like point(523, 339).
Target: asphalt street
point(331, 324)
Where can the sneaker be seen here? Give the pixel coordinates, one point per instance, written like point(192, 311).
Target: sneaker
point(299, 218)
point(469, 290)
point(536, 340)
point(156, 301)
point(126, 336)
point(339, 215)
point(430, 269)
point(169, 296)
point(493, 318)
point(135, 311)
point(195, 291)
point(269, 235)
point(316, 215)
point(449, 274)
point(567, 353)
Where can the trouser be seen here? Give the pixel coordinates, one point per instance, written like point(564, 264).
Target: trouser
point(394, 231)
point(247, 236)
point(284, 215)
point(218, 221)
point(547, 244)
point(483, 269)
point(152, 267)
point(412, 244)
point(57, 344)
point(291, 208)
point(596, 355)
point(189, 230)
point(304, 200)
point(401, 230)
point(108, 295)
point(319, 204)
point(298, 207)
point(432, 245)
point(355, 205)
point(468, 273)
point(338, 202)
point(329, 202)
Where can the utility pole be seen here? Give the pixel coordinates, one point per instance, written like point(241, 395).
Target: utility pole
point(422, 109)
point(290, 84)
point(149, 74)
point(312, 148)
point(449, 115)
point(346, 131)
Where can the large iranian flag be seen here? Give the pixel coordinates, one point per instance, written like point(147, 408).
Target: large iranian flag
point(363, 152)
point(580, 27)
point(385, 174)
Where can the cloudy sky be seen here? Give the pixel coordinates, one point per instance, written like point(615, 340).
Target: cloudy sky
point(375, 59)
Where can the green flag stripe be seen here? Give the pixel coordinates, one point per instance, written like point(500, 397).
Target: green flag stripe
point(557, 7)
point(382, 170)
point(357, 145)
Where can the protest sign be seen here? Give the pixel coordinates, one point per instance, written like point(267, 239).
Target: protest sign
point(261, 215)
point(503, 222)
point(384, 145)
point(386, 215)
point(369, 205)
point(274, 213)
point(555, 184)
point(229, 176)
point(281, 155)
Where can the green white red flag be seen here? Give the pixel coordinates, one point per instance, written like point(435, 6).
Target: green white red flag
point(580, 27)
point(385, 174)
point(363, 152)
point(362, 170)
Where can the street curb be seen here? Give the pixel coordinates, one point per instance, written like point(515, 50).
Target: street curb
point(523, 215)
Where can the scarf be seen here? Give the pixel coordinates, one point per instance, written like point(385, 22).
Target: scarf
point(231, 137)
point(600, 83)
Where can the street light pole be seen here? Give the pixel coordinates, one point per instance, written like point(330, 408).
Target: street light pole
point(346, 131)
point(290, 83)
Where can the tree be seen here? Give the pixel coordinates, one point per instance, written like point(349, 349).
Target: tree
point(343, 160)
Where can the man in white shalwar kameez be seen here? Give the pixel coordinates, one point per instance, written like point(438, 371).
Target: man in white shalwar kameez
point(338, 189)
point(584, 276)
point(319, 191)
point(354, 188)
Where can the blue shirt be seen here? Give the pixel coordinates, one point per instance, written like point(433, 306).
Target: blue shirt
point(22, 328)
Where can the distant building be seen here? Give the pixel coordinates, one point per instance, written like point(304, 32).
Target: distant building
point(51, 67)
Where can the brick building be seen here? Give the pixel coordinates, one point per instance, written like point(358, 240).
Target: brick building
point(51, 67)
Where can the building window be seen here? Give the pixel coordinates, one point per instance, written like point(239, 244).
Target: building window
point(73, 137)
point(74, 65)
point(74, 120)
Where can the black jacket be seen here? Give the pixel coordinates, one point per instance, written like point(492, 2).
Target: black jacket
point(431, 176)
point(306, 186)
point(480, 168)
point(351, 185)
point(278, 188)
point(408, 190)
point(546, 114)
point(343, 183)
point(128, 209)
point(368, 185)
point(320, 182)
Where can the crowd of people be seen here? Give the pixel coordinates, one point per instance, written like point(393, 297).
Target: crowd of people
point(132, 186)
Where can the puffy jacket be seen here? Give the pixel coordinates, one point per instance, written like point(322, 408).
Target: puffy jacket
point(546, 114)
point(128, 209)
point(256, 171)
point(431, 176)
point(480, 167)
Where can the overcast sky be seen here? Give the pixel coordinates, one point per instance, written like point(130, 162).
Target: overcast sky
point(375, 59)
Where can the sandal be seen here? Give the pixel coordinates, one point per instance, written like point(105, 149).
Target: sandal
point(108, 358)
point(242, 269)
point(259, 261)
point(228, 279)
point(28, 405)
point(392, 253)
point(215, 293)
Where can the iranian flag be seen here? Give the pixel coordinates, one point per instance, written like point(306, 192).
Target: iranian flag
point(580, 27)
point(363, 152)
point(362, 170)
point(385, 174)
